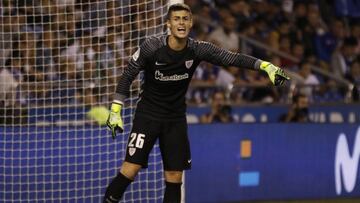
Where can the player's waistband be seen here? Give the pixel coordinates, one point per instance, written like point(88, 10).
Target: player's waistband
point(160, 117)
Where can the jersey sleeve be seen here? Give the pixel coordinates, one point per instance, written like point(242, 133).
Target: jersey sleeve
point(208, 52)
point(137, 63)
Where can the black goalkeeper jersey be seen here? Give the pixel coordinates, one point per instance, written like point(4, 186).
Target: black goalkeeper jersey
point(167, 74)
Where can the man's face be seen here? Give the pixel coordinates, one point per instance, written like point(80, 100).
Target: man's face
point(230, 24)
point(218, 100)
point(303, 102)
point(305, 70)
point(180, 23)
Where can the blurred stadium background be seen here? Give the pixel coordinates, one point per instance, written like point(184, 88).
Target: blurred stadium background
point(60, 61)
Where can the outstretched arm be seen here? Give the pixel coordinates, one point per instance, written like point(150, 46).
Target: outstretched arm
point(213, 54)
point(209, 52)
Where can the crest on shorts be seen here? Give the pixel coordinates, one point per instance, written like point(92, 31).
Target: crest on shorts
point(189, 63)
point(132, 151)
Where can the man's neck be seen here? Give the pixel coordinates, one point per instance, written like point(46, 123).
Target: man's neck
point(227, 31)
point(177, 44)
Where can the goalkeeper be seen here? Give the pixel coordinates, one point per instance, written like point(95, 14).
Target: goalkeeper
point(168, 63)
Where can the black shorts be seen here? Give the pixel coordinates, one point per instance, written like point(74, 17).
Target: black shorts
point(173, 141)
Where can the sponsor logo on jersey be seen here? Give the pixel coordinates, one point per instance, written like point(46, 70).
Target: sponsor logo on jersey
point(136, 55)
point(132, 151)
point(346, 163)
point(189, 63)
point(160, 76)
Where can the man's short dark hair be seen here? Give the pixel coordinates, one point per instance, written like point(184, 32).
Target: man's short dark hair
point(297, 97)
point(350, 41)
point(178, 7)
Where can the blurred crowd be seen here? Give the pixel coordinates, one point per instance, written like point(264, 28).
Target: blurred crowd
point(320, 35)
point(73, 51)
point(70, 51)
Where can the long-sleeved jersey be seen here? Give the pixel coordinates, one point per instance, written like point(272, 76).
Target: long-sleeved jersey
point(167, 74)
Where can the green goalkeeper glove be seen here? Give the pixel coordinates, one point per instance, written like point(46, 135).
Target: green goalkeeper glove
point(276, 74)
point(114, 121)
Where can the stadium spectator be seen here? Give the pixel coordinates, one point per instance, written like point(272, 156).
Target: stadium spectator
point(149, 23)
point(220, 112)
point(328, 92)
point(6, 46)
point(8, 86)
point(309, 79)
point(298, 51)
point(298, 111)
point(285, 46)
point(299, 15)
point(314, 25)
point(203, 17)
point(240, 9)
point(276, 35)
point(259, 8)
point(260, 33)
point(27, 47)
point(204, 77)
point(354, 77)
point(259, 92)
point(355, 32)
point(349, 8)
point(327, 42)
point(225, 78)
point(306, 73)
point(225, 34)
point(343, 57)
point(87, 95)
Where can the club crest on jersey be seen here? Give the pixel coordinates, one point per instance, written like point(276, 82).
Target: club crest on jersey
point(136, 55)
point(189, 63)
point(132, 151)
